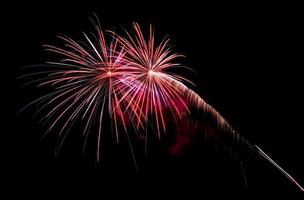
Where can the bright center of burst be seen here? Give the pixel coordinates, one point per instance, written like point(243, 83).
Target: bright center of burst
point(109, 73)
point(151, 72)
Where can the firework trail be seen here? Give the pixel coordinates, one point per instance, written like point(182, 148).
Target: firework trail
point(150, 64)
point(154, 86)
point(128, 78)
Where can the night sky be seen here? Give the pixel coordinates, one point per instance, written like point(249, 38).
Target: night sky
point(247, 64)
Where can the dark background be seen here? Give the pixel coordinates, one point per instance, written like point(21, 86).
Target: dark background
point(248, 61)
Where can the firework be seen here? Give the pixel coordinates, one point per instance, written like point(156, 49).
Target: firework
point(129, 78)
point(155, 87)
point(88, 82)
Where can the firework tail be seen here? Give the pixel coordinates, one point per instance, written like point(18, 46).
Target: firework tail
point(142, 57)
point(224, 125)
point(265, 156)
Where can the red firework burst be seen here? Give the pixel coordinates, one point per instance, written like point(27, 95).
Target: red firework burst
point(153, 88)
point(88, 81)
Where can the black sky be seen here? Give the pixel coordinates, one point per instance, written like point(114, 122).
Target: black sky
point(247, 59)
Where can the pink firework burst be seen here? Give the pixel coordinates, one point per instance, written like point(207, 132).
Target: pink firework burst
point(89, 81)
point(153, 88)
